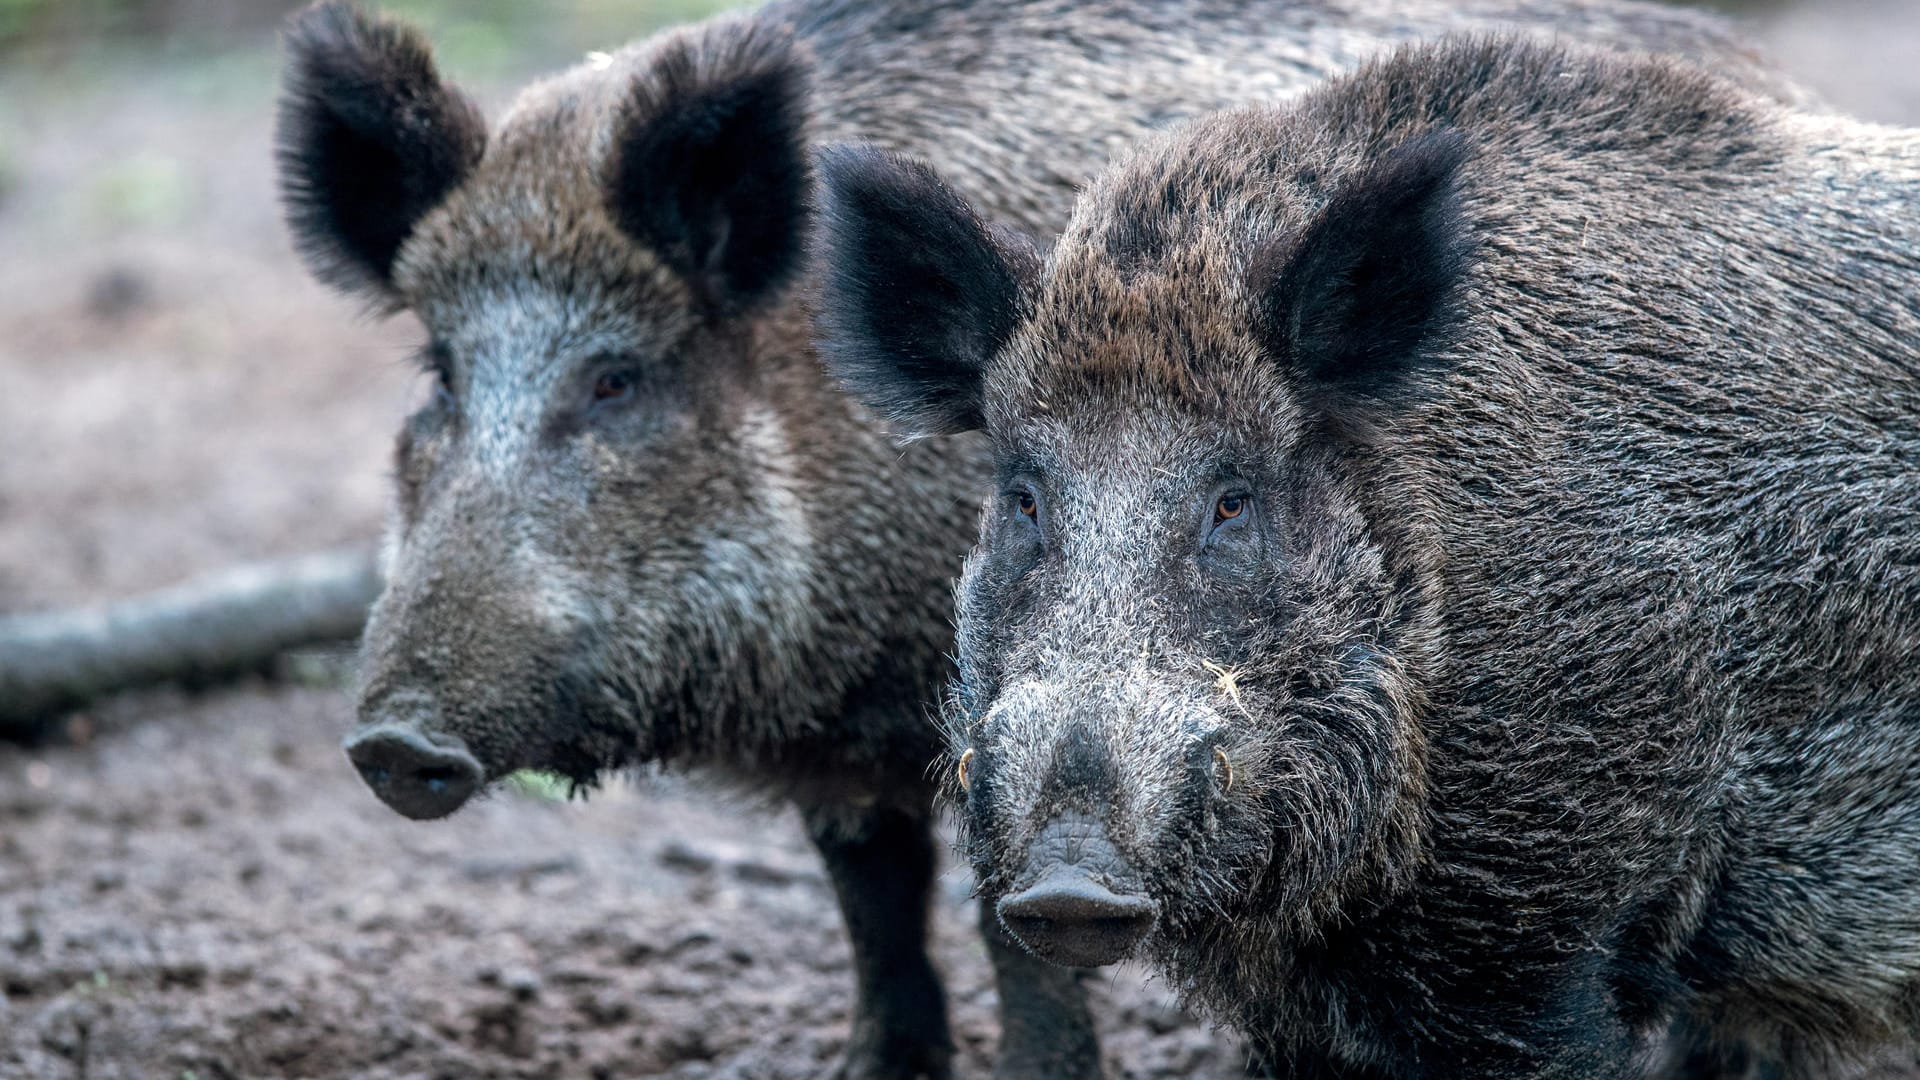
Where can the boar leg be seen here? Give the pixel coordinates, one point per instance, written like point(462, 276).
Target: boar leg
point(882, 861)
point(1045, 1029)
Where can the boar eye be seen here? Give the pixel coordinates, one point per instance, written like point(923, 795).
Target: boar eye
point(1230, 508)
point(613, 386)
point(1025, 539)
point(1028, 506)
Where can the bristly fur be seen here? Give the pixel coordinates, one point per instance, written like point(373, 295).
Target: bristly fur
point(368, 141)
point(710, 167)
point(907, 328)
point(1573, 716)
point(725, 564)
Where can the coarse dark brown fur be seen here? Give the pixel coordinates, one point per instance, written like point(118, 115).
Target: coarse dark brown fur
point(636, 524)
point(1457, 556)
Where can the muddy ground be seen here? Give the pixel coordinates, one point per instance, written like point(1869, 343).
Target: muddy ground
point(197, 886)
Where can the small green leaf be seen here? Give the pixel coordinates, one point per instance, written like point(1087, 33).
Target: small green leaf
point(539, 786)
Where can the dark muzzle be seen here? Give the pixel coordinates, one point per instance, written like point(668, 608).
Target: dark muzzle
point(418, 777)
point(1081, 907)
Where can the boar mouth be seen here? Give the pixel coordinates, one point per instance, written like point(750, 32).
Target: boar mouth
point(596, 726)
point(1071, 919)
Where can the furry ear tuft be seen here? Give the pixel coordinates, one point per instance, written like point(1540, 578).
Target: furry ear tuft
point(710, 163)
point(368, 141)
point(1365, 295)
point(918, 293)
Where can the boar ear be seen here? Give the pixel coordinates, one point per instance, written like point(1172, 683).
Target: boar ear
point(369, 140)
point(709, 167)
point(1370, 290)
point(919, 293)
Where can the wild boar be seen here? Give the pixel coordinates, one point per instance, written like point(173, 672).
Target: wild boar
point(635, 522)
point(1450, 591)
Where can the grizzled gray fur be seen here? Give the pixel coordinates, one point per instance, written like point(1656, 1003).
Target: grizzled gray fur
point(1451, 594)
point(635, 521)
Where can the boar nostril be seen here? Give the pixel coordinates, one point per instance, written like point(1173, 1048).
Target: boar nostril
point(1070, 919)
point(438, 779)
point(420, 778)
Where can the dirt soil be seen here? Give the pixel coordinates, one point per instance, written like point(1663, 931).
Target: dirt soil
point(199, 887)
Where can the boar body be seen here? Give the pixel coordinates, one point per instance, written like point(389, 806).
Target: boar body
point(1451, 594)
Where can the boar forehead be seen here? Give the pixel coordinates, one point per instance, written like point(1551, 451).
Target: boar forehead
point(1169, 346)
point(505, 262)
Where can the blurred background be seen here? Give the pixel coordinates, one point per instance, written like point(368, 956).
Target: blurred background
point(195, 886)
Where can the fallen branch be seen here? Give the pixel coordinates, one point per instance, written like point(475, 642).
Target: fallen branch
point(205, 630)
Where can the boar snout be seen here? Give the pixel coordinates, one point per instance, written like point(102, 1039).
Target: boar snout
point(1082, 906)
point(421, 777)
